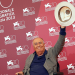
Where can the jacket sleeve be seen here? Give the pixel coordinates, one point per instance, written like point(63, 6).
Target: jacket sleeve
point(59, 45)
point(24, 70)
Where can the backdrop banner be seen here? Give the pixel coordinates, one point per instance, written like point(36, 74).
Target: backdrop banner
point(23, 20)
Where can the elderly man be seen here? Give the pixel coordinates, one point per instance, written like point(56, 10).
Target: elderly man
point(43, 62)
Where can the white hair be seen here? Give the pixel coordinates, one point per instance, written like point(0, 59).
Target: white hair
point(36, 38)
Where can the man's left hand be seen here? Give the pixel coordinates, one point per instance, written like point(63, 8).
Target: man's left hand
point(63, 26)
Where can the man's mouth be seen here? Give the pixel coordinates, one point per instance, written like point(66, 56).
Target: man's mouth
point(39, 48)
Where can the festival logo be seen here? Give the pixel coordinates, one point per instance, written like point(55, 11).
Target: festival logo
point(53, 31)
point(3, 53)
point(22, 50)
point(28, 11)
point(48, 44)
point(71, 68)
point(7, 14)
point(3, 3)
point(73, 27)
point(62, 56)
point(69, 41)
point(41, 20)
point(10, 39)
point(19, 25)
point(31, 35)
point(13, 64)
point(1, 29)
point(72, 2)
point(33, 1)
point(50, 6)
point(4, 74)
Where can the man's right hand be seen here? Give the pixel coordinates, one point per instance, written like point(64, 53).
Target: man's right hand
point(19, 73)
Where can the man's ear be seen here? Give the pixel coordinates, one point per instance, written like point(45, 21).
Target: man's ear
point(44, 44)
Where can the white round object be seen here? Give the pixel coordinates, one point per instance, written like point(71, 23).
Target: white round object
point(65, 13)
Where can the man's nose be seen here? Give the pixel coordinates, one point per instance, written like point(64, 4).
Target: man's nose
point(38, 44)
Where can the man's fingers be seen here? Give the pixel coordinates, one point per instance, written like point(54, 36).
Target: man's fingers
point(63, 26)
point(16, 73)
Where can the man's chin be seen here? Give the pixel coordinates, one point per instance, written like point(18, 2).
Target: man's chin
point(40, 53)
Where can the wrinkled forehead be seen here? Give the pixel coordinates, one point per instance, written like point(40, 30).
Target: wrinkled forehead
point(38, 40)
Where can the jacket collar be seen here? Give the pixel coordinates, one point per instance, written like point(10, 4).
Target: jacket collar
point(45, 52)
